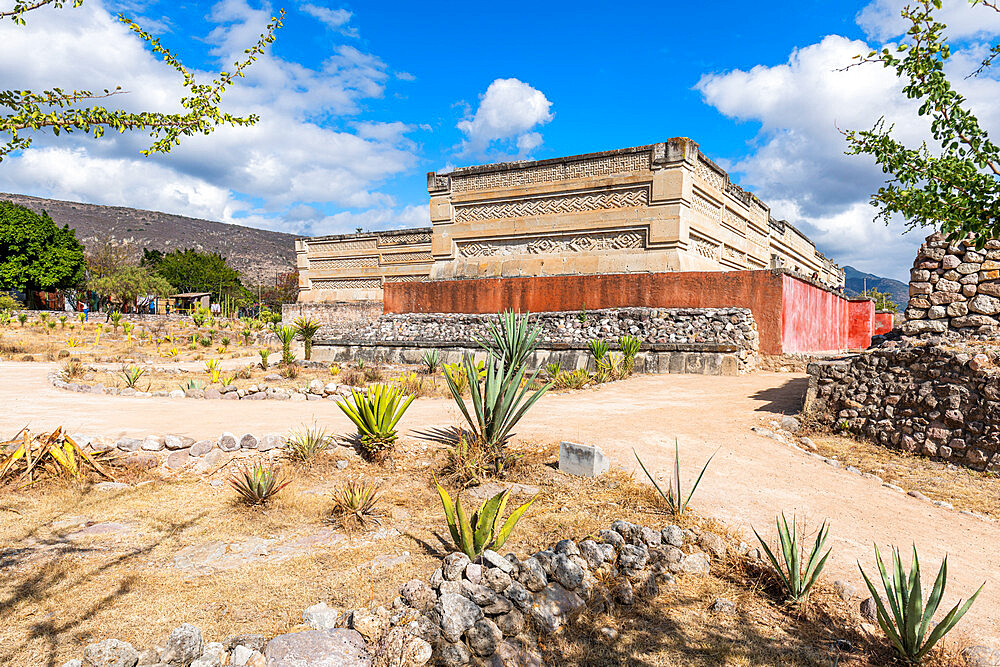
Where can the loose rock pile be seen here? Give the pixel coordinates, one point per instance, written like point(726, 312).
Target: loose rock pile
point(483, 612)
point(954, 287)
point(936, 398)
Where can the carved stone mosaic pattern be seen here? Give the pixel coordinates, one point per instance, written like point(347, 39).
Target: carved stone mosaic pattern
point(546, 245)
point(603, 166)
point(338, 246)
point(705, 248)
point(347, 283)
point(344, 263)
point(706, 206)
point(710, 176)
point(404, 257)
point(569, 203)
point(404, 239)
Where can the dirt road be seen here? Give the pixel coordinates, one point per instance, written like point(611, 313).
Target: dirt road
point(751, 479)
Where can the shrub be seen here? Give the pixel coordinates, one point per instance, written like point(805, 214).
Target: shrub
point(376, 414)
point(432, 360)
point(411, 384)
point(116, 319)
point(289, 370)
point(286, 335)
point(307, 443)
point(305, 329)
point(264, 353)
point(906, 627)
point(553, 370)
point(796, 576)
point(355, 503)
point(131, 376)
point(352, 377)
point(598, 348)
point(71, 369)
point(510, 340)
point(474, 535)
point(673, 495)
point(372, 374)
point(225, 341)
point(205, 341)
point(257, 483)
point(7, 302)
point(22, 318)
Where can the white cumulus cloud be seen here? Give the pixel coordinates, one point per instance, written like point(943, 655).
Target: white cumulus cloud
point(508, 113)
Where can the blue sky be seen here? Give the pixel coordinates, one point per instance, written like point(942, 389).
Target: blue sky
point(358, 100)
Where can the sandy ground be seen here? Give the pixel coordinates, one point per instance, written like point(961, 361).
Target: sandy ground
point(751, 479)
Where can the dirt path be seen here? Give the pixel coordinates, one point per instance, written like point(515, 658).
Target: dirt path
point(751, 479)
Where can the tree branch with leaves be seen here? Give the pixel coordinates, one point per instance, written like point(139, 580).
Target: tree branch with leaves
point(955, 187)
point(60, 111)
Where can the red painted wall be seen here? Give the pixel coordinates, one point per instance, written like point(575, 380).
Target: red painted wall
point(861, 323)
point(883, 323)
point(791, 315)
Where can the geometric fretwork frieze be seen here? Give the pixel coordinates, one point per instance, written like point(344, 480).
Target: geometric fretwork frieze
point(400, 257)
point(563, 203)
point(604, 166)
point(343, 263)
point(346, 283)
point(539, 245)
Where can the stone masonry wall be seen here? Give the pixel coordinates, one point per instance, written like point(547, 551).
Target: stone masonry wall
point(927, 398)
point(672, 329)
point(954, 287)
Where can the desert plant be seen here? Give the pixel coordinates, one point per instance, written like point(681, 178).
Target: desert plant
point(192, 385)
point(376, 414)
point(334, 369)
point(305, 444)
point(97, 334)
point(131, 375)
point(116, 319)
point(286, 335)
point(228, 380)
point(906, 627)
point(553, 369)
point(673, 495)
point(214, 369)
point(355, 503)
point(305, 329)
point(62, 321)
point(373, 374)
point(246, 333)
point(598, 348)
point(577, 379)
point(225, 341)
point(510, 340)
point(797, 576)
point(474, 535)
point(51, 324)
point(258, 482)
point(56, 454)
point(71, 369)
point(582, 316)
point(127, 327)
point(73, 342)
point(43, 317)
point(22, 318)
point(199, 316)
point(610, 367)
point(289, 371)
point(629, 345)
point(410, 384)
point(471, 462)
point(499, 400)
point(82, 317)
point(432, 360)
point(205, 341)
point(265, 353)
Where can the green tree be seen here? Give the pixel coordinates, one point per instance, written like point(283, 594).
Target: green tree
point(883, 301)
point(130, 286)
point(63, 111)
point(193, 271)
point(35, 253)
point(956, 187)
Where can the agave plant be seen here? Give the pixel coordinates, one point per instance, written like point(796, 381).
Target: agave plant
point(356, 502)
point(499, 400)
point(265, 353)
point(598, 348)
point(797, 576)
point(131, 375)
point(127, 327)
point(22, 318)
point(510, 339)
point(907, 625)
point(629, 345)
point(257, 483)
point(246, 333)
point(483, 530)
point(286, 335)
point(577, 379)
point(305, 444)
point(82, 317)
point(305, 329)
point(62, 321)
point(610, 367)
point(116, 319)
point(192, 385)
point(432, 360)
point(673, 495)
point(214, 369)
point(32, 457)
point(376, 414)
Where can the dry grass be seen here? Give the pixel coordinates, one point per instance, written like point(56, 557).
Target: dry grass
point(60, 593)
point(964, 488)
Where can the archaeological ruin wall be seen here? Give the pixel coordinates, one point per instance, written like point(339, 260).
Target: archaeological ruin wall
point(954, 287)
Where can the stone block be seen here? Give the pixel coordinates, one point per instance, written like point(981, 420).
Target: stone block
point(582, 460)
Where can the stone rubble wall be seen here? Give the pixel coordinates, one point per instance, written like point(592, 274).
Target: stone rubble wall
point(487, 612)
point(698, 331)
point(931, 398)
point(336, 316)
point(954, 287)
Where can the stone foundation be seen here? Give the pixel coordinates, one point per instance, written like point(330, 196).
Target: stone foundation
point(692, 340)
point(340, 315)
point(930, 399)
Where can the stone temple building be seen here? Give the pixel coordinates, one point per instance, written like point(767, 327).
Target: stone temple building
point(648, 209)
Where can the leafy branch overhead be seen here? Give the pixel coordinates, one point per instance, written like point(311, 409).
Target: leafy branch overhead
point(57, 110)
point(956, 187)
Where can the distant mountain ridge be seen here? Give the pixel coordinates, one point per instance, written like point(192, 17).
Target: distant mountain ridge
point(258, 254)
point(856, 281)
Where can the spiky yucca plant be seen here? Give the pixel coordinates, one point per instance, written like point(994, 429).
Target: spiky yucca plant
point(598, 348)
point(376, 413)
point(131, 375)
point(305, 444)
point(286, 335)
point(214, 369)
point(796, 576)
point(510, 339)
point(483, 530)
point(432, 360)
point(907, 620)
point(356, 503)
point(629, 345)
point(259, 482)
point(265, 354)
point(673, 495)
point(305, 329)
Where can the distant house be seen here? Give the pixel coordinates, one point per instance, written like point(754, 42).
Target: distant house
point(188, 301)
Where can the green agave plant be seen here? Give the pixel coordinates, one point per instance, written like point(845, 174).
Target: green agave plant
point(432, 360)
point(907, 625)
point(483, 530)
point(510, 339)
point(258, 483)
point(376, 413)
point(796, 580)
point(306, 328)
point(673, 495)
point(131, 375)
point(598, 348)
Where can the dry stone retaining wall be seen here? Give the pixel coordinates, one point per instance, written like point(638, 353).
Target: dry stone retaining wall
point(930, 398)
point(954, 287)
